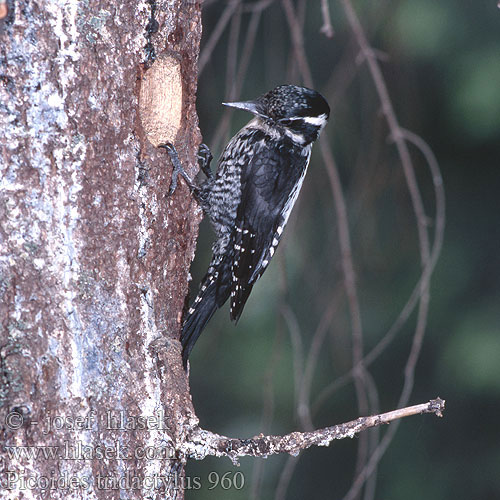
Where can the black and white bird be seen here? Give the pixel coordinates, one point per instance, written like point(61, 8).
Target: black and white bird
point(250, 198)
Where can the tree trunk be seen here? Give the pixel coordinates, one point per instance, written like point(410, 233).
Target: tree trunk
point(94, 257)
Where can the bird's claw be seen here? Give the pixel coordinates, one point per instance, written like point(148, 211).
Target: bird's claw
point(177, 168)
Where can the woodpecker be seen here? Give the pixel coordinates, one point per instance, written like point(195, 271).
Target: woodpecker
point(249, 200)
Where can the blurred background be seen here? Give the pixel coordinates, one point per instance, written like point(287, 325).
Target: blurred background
point(287, 364)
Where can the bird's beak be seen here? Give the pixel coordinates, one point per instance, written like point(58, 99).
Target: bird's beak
point(251, 106)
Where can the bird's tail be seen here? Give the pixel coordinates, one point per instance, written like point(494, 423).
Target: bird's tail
point(211, 296)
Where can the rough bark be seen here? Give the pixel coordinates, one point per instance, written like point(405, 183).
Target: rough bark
point(94, 258)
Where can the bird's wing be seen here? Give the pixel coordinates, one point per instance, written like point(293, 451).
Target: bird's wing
point(270, 183)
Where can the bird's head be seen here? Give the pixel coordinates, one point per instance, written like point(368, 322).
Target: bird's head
point(300, 112)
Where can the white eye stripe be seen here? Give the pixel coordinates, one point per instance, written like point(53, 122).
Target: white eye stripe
point(311, 120)
point(316, 120)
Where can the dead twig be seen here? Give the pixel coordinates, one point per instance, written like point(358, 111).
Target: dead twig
point(204, 443)
point(399, 137)
point(327, 28)
point(224, 19)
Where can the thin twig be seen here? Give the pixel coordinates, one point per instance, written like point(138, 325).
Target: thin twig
point(286, 476)
point(438, 236)
point(267, 411)
point(258, 6)
point(232, 52)
point(327, 28)
point(392, 121)
point(304, 405)
point(202, 443)
point(234, 92)
point(341, 210)
point(426, 272)
point(297, 348)
point(423, 237)
point(299, 16)
point(344, 237)
point(359, 368)
point(224, 19)
point(373, 436)
point(298, 42)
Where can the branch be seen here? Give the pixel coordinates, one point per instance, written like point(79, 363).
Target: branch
point(204, 443)
point(327, 28)
point(216, 34)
